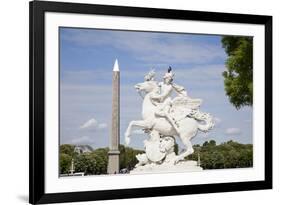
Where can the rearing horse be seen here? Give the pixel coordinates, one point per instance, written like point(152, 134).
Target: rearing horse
point(187, 127)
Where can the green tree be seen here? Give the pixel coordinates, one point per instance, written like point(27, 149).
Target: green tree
point(226, 155)
point(212, 143)
point(65, 163)
point(85, 163)
point(238, 78)
point(66, 155)
point(67, 149)
point(92, 163)
point(128, 157)
point(101, 157)
point(209, 143)
point(95, 162)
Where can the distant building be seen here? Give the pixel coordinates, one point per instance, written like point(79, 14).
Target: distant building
point(80, 149)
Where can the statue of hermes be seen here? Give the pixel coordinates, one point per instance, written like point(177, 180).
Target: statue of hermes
point(162, 99)
point(164, 116)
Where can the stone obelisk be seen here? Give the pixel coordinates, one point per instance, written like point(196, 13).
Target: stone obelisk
point(113, 154)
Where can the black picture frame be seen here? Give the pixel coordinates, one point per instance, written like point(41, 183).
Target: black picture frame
point(37, 11)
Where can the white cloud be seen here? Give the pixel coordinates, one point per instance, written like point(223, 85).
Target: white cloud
point(137, 132)
point(102, 126)
point(233, 131)
point(217, 120)
point(93, 124)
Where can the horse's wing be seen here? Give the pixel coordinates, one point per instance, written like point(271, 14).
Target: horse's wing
point(180, 108)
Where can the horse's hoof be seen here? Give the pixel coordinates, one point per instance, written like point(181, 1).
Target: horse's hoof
point(177, 160)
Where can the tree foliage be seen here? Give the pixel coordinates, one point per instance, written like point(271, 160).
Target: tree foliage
point(128, 158)
point(67, 149)
point(66, 155)
point(91, 162)
point(238, 78)
point(65, 163)
point(95, 162)
point(226, 155)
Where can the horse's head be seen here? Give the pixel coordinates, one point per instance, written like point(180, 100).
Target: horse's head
point(147, 86)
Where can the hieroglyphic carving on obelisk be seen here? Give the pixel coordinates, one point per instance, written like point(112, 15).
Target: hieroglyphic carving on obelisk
point(113, 154)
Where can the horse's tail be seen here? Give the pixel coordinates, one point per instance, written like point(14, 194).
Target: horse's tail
point(207, 118)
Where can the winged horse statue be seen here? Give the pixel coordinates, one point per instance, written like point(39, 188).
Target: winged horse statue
point(165, 116)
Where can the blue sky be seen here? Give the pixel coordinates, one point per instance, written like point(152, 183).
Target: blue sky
point(86, 61)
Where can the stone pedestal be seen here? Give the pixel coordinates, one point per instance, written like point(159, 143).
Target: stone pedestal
point(113, 162)
point(184, 166)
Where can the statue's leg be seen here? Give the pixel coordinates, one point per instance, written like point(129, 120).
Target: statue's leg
point(189, 149)
point(138, 123)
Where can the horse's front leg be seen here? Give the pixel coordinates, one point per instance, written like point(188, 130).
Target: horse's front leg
point(138, 123)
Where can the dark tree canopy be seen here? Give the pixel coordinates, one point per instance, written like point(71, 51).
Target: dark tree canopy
point(238, 78)
point(94, 162)
point(65, 163)
point(225, 155)
point(67, 149)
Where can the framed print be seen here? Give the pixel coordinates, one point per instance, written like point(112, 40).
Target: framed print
point(130, 102)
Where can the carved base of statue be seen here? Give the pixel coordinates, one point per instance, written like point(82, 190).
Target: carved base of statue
point(183, 166)
point(160, 157)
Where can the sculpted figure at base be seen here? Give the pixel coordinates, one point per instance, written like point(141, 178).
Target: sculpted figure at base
point(165, 118)
point(158, 150)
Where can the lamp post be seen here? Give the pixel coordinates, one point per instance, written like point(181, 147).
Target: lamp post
point(72, 167)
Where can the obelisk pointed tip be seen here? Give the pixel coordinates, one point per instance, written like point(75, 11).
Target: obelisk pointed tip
point(116, 66)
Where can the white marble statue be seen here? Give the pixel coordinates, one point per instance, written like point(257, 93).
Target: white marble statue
point(164, 118)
